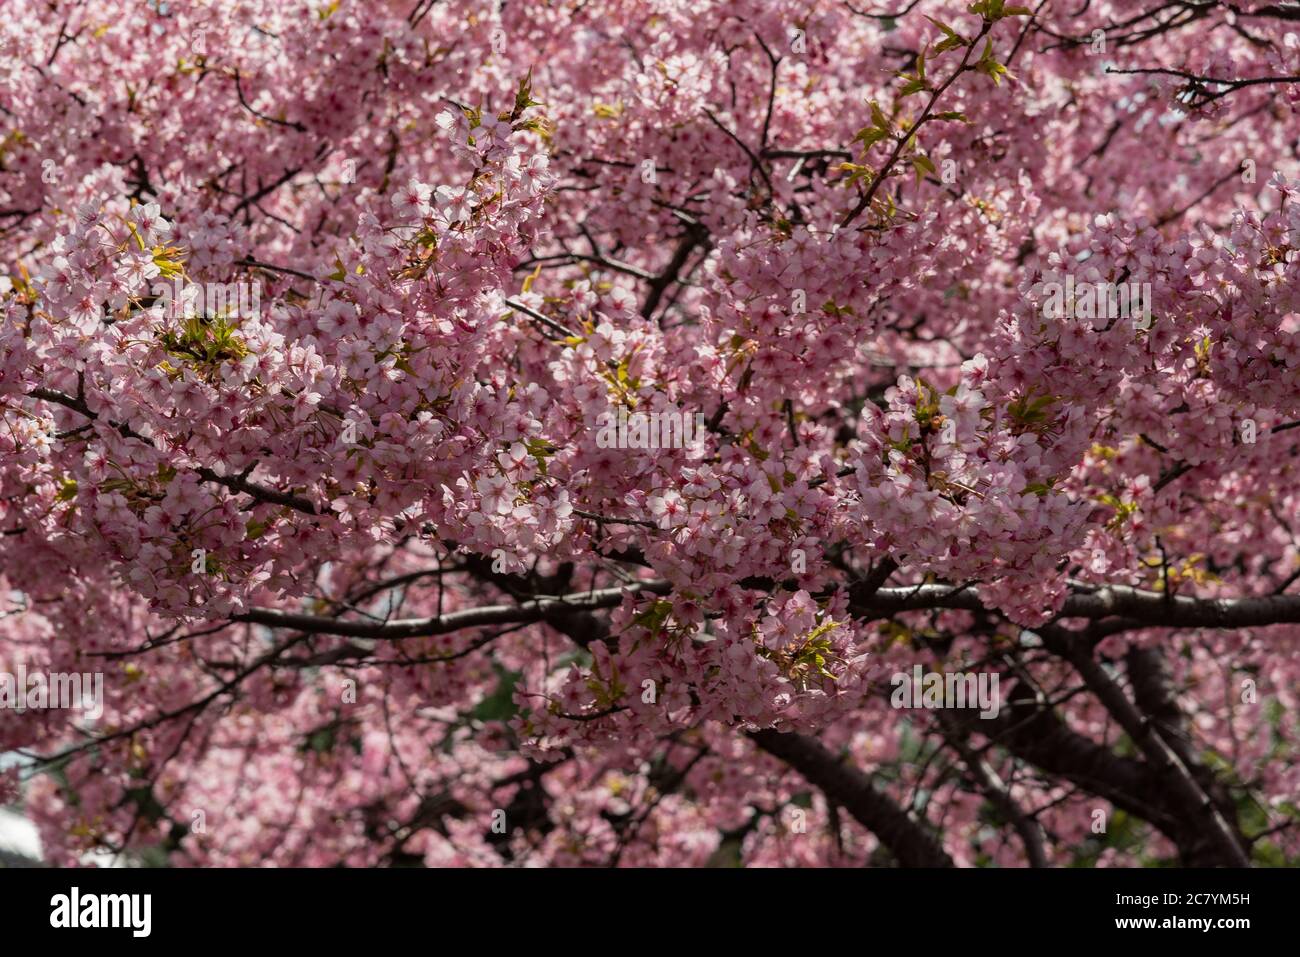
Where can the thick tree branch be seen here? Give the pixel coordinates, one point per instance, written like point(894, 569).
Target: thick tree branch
point(907, 839)
point(1147, 608)
point(1220, 844)
point(542, 608)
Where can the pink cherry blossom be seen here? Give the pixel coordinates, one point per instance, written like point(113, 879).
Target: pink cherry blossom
point(360, 569)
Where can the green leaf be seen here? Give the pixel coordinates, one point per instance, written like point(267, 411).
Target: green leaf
point(921, 165)
point(917, 83)
point(856, 173)
point(524, 95)
point(541, 450)
point(990, 67)
point(947, 30)
point(653, 618)
point(869, 137)
point(879, 119)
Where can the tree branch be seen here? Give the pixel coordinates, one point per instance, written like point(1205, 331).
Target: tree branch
point(542, 608)
point(907, 839)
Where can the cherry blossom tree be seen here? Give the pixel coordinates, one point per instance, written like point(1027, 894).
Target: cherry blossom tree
point(314, 316)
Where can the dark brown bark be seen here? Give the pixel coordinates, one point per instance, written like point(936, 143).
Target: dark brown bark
point(906, 838)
